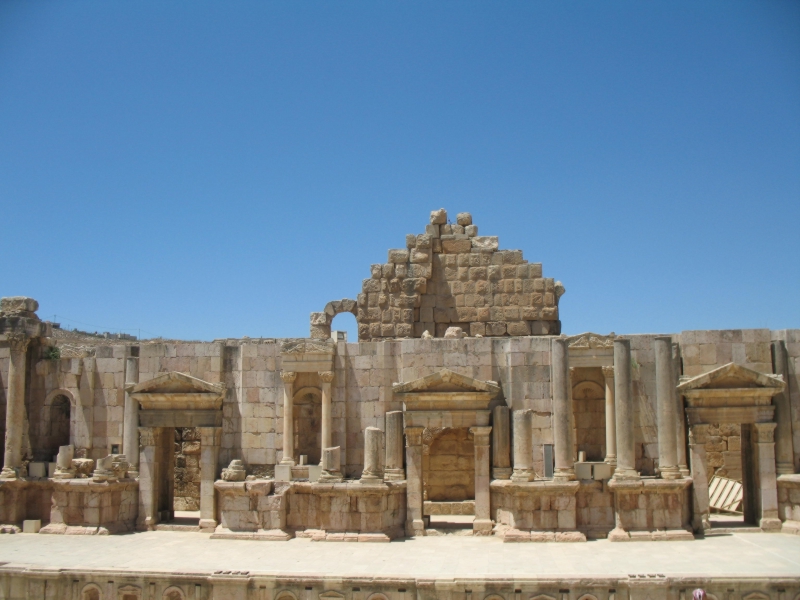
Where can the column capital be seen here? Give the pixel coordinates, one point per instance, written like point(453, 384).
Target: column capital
point(326, 376)
point(480, 435)
point(210, 436)
point(608, 372)
point(764, 432)
point(413, 436)
point(148, 436)
point(18, 342)
point(288, 376)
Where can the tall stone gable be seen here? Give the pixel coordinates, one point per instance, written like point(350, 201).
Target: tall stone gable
point(449, 276)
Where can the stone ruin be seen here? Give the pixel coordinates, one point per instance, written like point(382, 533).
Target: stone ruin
point(450, 277)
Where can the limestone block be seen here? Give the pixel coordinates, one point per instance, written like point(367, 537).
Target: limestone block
point(485, 242)
point(424, 241)
point(319, 318)
point(454, 333)
point(457, 229)
point(235, 471)
point(439, 217)
point(411, 240)
point(456, 246)
point(31, 525)
point(398, 256)
point(477, 328)
point(464, 219)
point(433, 231)
point(518, 327)
point(387, 271)
point(420, 256)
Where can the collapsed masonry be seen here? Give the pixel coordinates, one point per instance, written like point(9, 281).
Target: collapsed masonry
point(448, 277)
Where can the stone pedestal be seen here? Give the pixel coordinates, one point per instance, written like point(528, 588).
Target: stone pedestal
point(373, 456)
point(326, 377)
point(523, 447)
point(394, 447)
point(666, 409)
point(288, 378)
point(209, 451)
point(501, 443)
point(331, 465)
point(611, 418)
point(562, 411)
point(15, 405)
point(650, 510)
point(415, 524)
point(130, 434)
point(623, 397)
point(482, 525)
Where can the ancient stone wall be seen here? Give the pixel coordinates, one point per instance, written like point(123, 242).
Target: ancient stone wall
point(450, 276)
point(187, 469)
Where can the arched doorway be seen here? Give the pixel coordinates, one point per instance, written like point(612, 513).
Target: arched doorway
point(58, 426)
point(308, 424)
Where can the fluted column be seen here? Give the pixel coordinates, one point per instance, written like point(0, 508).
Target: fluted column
point(501, 443)
point(784, 451)
point(288, 378)
point(130, 434)
point(394, 447)
point(611, 418)
point(15, 405)
point(666, 407)
point(482, 525)
point(326, 377)
point(415, 523)
point(623, 398)
point(523, 446)
point(562, 422)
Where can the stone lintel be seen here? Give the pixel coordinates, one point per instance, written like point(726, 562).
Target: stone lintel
point(536, 487)
point(649, 486)
point(446, 419)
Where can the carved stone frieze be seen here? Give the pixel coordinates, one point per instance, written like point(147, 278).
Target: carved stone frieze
point(591, 340)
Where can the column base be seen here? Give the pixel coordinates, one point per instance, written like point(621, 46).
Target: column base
point(394, 475)
point(208, 525)
point(770, 524)
point(330, 478)
point(684, 470)
point(523, 475)
point(370, 480)
point(9, 473)
point(482, 527)
point(671, 473)
point(287, 461)
point(501, 472)
point(415, 527)
point(611, 459)
point(783, 468)
point(628, 474)
point(562, 474)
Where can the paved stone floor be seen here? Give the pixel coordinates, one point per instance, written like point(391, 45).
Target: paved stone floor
point(740, 555)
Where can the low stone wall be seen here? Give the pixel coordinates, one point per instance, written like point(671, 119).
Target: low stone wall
point(348, 510)
point(536, 511)
point(251, 510)
point(789, 503)
point(595, 509)
point(82, 506)
point(651, 509)
point(22, 499)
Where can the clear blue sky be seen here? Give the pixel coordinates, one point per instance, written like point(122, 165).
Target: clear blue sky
point(202, 170)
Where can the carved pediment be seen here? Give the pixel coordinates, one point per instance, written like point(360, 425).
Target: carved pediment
point(308, 346)
point(177, 391)
point(591, 340)
point(733, 376)
point(446, 381)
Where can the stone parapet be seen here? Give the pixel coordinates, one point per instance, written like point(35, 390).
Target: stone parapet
point(651, 509)
point(22, 499)
point(789, 503)
point(83, 506)
point(251, 510)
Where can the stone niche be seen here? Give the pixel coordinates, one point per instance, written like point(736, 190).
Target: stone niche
point(449, 276)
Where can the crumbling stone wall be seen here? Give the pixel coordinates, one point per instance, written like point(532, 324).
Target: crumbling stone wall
point(450, 276)
point(187, 469)
point(448, 466)
point(724, 451)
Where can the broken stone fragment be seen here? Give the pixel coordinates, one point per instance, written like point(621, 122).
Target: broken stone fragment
point(471, 230)
point(559, 289)
point(454, 333)
point(398, 256)
point(464, 219)
point(438, 217)
point(234, 472)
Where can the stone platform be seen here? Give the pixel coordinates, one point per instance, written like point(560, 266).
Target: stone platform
point(729, 567)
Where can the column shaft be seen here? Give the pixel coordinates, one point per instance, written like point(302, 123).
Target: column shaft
point(523, 447)
point(327, 378)
point(209, 451)
point(666, 409)
point(415, 523)
point(680, 425)
point(394, 447)
point(611, 418)
point(562, 421)
point(784, 450)
point(623, 398)
point(482, 525)
point(501, 443)
point(288, 378)
point(767, 491)
point(150, 438)
point(130, 434)
point(15, 406)
point(698, 436)
point(373, 456)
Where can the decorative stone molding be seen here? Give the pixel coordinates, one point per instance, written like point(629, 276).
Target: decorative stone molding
point(591, 340)
point(288, 376)
point(608, 372)
point(326, 376)
point(413, 436)
point(18, 342)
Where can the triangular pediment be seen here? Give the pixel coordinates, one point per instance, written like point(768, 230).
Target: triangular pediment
point(176, 383)
point(446, 381)
point(732, 376)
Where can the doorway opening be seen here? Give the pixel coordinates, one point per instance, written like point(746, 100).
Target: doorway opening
point(308, 424)
point(448, 467)
point(179, 473)
point(57, 426)
point(731, 487)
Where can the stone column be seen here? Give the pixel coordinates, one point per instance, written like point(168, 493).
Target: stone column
point(501, 443)
point(562, 409)
point(394, 447)
point(209, 451)
point(326, 378)
point(698, 436)
point(130, 434)
point(767, 492)
point(666, 407)
point(623, 398)
point(15, 405)
point(288, 378)
point(784, 451)
point(373, 456)
point(611, 419)
point(482, 525)
point(150, 441)
point(415, 523)
point(331, 465)
point(680, 429)
point(523, 447)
